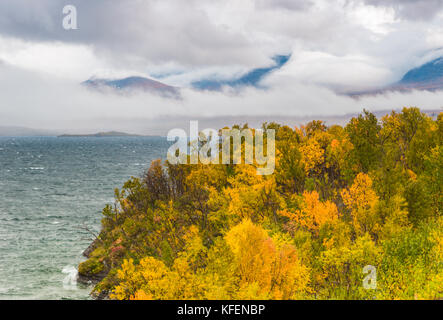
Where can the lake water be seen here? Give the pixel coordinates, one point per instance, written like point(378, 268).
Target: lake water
point(50, 188)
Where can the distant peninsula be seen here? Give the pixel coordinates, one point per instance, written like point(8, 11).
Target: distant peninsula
point(100, 135)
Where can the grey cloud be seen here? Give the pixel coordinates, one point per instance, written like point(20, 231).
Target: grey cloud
point(198, 37)
point(295, 5)
point(411, 9)
point(47, 103)
point(134, 32)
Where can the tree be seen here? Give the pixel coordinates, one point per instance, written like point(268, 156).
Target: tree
point(364, 133)
point(265, 269)
point(340, 199)
point(360, 200)
point(313, 213)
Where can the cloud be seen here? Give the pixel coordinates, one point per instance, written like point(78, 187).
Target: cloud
point(343, 73)
point(196, 38)
point(134, 32)
point(32, 100)
point(411, 9)
point(334, 46)
point(293, 5)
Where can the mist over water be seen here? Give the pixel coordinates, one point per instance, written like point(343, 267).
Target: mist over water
point(49, 188)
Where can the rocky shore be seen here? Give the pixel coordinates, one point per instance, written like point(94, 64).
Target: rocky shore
point(89, 278)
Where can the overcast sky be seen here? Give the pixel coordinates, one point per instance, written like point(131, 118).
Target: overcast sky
point(334, 46)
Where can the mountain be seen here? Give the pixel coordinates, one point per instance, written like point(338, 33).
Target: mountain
point(132, 83)
point(252, 78)
point(428, 76)
point(429, 72)
point(100, 135)
point(12, 131)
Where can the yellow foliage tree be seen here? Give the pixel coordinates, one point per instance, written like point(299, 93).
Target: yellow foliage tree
point(360, 199)
point(251, 196)
point(312, 156)
point(265, 270)
point(314, 213)
point(307, 231)
point(254, 267)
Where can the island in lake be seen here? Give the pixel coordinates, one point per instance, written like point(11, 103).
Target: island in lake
point(100, 135)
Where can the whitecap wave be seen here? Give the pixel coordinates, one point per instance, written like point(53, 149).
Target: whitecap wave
point(70, 281)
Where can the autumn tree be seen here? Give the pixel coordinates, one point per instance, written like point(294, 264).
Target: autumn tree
point(340, 199)
point(360, 200)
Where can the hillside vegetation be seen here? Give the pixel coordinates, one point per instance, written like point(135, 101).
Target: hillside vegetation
point(340, 199)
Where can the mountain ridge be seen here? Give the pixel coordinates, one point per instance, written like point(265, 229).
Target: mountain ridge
point(427, 77)
point(132, 83)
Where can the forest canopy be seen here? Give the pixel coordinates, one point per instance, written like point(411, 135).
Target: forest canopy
point(341, 198)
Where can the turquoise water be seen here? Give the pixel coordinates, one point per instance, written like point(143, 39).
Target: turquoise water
point(50, 188)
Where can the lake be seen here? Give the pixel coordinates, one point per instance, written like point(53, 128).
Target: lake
point(51, 189)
